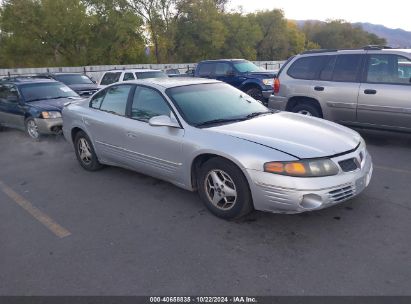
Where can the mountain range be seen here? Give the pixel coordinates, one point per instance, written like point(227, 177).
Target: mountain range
point(398, 38)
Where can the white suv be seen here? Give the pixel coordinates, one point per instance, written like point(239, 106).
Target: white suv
point(114, 76)
point(368, 87)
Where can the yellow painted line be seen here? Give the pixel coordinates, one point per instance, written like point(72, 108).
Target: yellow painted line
point(393, 169)
point(43, 218)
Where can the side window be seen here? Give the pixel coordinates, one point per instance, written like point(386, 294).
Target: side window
point(327, 72)
point(222, 69)
point(347, 68)
point(9, 93)
point(206, 69)
point(148, 103)
point(128, 76)
point(110, 77)
point(307, 67)
point(95, 102)
point(115, 101)
point(390, 69)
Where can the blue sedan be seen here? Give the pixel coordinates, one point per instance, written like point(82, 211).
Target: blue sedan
point(33, 105)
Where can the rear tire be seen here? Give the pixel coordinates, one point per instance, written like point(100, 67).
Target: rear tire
point(224, 189)
point(307, 109)
point(85, 152)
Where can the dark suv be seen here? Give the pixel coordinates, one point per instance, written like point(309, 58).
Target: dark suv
point(242, 74)
point(33, 105)
point(79, 83)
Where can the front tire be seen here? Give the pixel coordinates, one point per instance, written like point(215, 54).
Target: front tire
point(85, 152)
point(32, 129)
point(307, 109)
point(256, 93)
point(224, 189)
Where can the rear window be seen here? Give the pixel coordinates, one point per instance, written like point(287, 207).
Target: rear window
point(70, 79)
point(307, 67)
point(110, 78)
point(155, 74)
point(206, 69)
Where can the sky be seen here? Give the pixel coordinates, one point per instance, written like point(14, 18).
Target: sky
point(392, 13)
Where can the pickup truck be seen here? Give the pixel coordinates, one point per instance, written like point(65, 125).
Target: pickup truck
point(242, 74)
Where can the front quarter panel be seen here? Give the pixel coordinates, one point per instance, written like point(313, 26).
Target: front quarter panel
point(245, 154)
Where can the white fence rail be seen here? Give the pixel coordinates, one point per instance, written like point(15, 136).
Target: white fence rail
point(97, 71)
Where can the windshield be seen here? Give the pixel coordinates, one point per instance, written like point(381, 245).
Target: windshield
point(246, 67)
point(203, 103)
point(156, 74)
point(73, 79)
point(47, 90)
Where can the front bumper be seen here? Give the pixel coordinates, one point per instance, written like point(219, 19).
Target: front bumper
point(49, 126)
point(277, 102)
point(284, 194)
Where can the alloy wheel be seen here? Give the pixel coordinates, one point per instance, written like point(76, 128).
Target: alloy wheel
point(84, 151)
point(220, 189)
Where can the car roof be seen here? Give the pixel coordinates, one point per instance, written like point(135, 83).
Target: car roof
point(217, 60)
point(173, 82)
point(134, 70)
point(26, 80)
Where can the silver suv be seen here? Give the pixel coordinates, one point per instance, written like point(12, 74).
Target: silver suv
point(369, 87)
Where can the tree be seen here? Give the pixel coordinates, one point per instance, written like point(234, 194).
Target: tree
point(116, 34)
point(243, 35)
point(200, 31)
point(336, 34)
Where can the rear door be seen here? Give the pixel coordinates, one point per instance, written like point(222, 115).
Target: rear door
point(338, 85)
point(107, 124)
point(11, 110)
point(385, 95)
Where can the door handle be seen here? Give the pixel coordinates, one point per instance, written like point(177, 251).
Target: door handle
point(132, 135)
point(320, 89)
point(370, 92)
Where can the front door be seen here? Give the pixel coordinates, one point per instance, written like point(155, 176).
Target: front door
point(385, 96)
point(156, 151)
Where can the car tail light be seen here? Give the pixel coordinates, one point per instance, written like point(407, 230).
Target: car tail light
point(276, 85)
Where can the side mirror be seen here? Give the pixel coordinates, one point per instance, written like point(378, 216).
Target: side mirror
point(163, 121)
point(230, 73)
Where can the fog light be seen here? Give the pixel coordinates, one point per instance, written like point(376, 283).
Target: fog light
point(311, 201)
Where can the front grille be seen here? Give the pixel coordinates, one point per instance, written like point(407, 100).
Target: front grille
point(342, 194)
point(349, 165)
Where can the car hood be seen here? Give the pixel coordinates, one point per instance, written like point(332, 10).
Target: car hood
point(295, 134)
point(83, 87)
point(264, 74)
point(52, 104)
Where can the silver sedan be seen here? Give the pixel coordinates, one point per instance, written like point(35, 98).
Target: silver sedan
point(207, 136)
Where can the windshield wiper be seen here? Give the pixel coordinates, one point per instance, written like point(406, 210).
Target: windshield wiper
point(255, 114)
point(219, 121)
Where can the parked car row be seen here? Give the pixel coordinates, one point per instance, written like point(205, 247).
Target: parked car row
point(212, 133)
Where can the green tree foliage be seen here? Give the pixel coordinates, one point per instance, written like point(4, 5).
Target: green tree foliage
point(339, 34)
point(92, 32)
point(200, 31)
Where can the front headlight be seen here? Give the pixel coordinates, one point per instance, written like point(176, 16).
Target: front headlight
point(52, 114)
point(269, 82)
point(303, 168)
